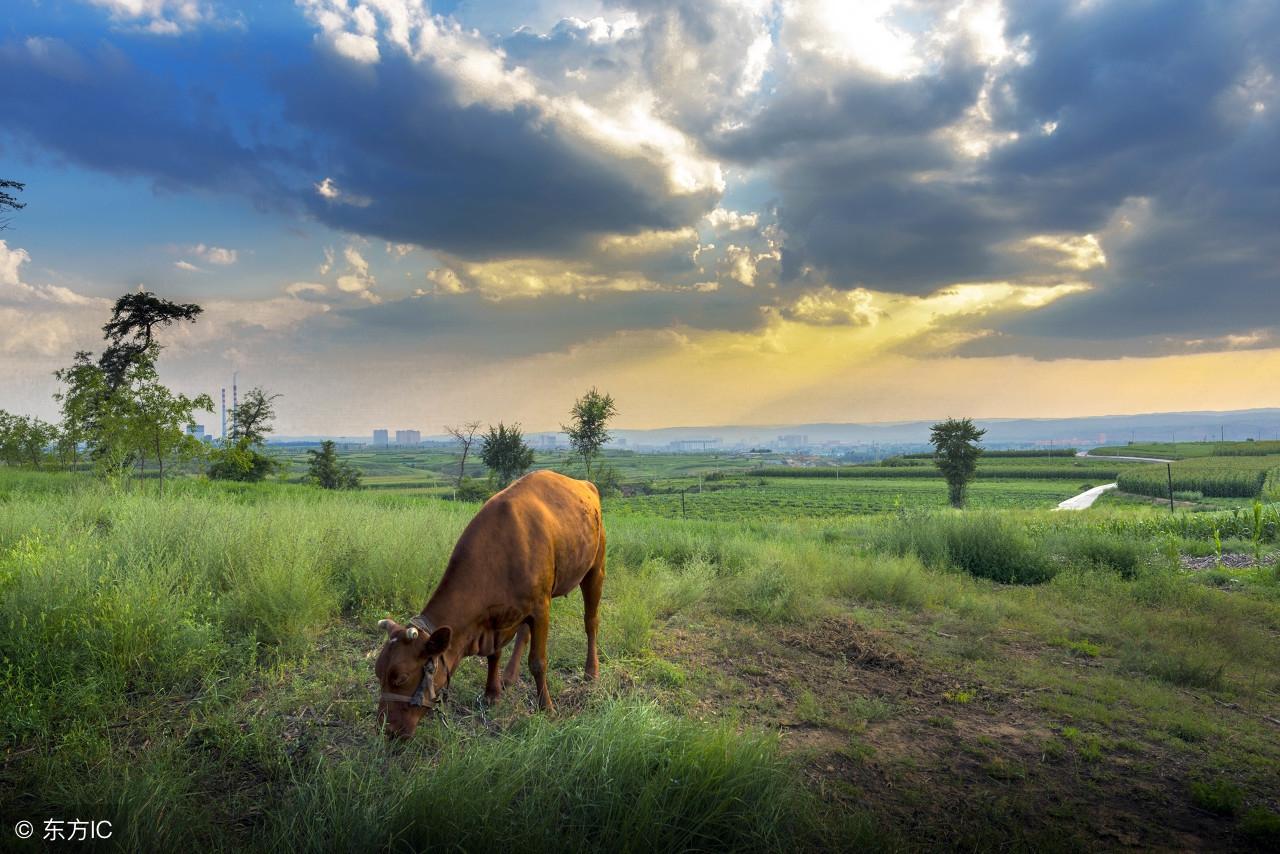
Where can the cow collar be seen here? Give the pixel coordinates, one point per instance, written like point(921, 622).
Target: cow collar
point(427, 685)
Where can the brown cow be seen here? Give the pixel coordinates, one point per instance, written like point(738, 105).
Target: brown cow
point(540, 537)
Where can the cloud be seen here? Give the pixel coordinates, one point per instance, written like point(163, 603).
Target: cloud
point(188, 266)
point(357, 279)
point(216, 254)
point(158, 17)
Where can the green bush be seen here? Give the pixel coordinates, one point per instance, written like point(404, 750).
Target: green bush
point(984, 545)
point(1102, 550)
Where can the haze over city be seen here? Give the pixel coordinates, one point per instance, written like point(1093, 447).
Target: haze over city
point(401, 213)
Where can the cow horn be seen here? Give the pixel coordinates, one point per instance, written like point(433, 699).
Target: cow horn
point(411, 633)
point(384, 624)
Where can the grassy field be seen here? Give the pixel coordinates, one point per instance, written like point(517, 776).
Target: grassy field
point(820, 497)
point(197, 669)
point(1208, 477)
point(1188, 450)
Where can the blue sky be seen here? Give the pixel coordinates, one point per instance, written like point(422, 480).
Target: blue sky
point(404, 213)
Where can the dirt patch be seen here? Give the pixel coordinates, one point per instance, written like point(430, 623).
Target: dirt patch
point(945, 760)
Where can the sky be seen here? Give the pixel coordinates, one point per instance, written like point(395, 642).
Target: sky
point(402, 214)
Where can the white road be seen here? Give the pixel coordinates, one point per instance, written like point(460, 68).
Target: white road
point(1085, 500)
point(1088, 456)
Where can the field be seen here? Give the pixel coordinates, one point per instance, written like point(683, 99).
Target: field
point(819, 497)
point(197, 669)
point(1211, 477)
point(1189, 450)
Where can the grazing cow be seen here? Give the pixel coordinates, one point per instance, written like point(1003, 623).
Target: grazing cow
point(540, 537)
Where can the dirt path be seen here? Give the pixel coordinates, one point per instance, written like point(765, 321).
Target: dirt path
point(1085, 500)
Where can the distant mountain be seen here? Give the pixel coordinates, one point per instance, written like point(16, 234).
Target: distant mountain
point(1082, 432)
point(1089, 431)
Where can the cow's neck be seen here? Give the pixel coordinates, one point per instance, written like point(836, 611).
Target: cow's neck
point(463, 622)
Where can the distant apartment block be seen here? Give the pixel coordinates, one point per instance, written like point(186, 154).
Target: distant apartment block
point(793, 441)
point(380, 438)
point(405, 437)
point(197, 431)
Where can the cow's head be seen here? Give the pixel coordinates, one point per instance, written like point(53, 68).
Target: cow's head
point(411, 674)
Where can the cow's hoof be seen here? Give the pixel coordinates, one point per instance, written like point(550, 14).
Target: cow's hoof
point(491, 697)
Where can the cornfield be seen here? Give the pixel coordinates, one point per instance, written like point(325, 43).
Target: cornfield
point(1214, 477)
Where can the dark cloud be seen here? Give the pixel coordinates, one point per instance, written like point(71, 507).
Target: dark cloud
point(1121, 106)
point(100, 109)
point(471, 325)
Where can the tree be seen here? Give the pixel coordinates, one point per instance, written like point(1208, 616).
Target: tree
point(465, 435)
point(252, 417)
point(24, 439)
point(239, 458)
point(955, 453)
point(160, 418)
point(326, 470)
point(505, 453)
point(85, 392)
point(8, 200)
point(589, 423)
point(131, 330)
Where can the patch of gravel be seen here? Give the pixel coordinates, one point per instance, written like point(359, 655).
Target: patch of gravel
point(1230, 560)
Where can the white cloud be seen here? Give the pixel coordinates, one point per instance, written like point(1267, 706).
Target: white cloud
point(216, 254)
point(329, 191)
point(188, 266)
point(159, 17)
point(357, 279)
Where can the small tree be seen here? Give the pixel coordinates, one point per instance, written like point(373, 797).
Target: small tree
point(465, 435)
point(160, 418)
point(253, 416)
point(505, 453)
point(24, 439)
point(326, 470)
point(955, 453)
point(588, 428)
point(239, 458)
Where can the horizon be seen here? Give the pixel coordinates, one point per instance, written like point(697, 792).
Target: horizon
point(743, 213)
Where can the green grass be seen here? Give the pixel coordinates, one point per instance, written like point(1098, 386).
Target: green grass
point(196, 668)
point(827, 497)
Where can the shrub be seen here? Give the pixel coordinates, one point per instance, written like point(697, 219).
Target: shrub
point(1102, 550)
point(984, 545)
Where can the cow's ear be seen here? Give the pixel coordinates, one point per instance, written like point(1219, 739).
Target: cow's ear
point(389, 626)
point(438, 642)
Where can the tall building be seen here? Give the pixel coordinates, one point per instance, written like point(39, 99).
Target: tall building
point(407, 437)
point(196, 430)
point(380, 438)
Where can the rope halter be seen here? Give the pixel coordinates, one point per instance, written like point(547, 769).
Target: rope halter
point(427, 685)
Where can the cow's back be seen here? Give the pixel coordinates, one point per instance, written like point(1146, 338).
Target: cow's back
point(544, 529)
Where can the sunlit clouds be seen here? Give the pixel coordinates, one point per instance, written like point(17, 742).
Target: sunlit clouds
point(725, 210)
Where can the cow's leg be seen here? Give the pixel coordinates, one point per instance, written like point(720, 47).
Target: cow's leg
point(511, 675)
point(493, 684)
point(541, 624)
point(592, 587)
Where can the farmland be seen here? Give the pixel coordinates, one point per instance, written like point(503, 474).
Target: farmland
point(774, 680)
point(822, 497)
point(1211, 477)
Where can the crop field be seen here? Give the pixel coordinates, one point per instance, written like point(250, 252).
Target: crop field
point(821, 497)
point(1189, 450)
point(1212, 477)
point(921, 680)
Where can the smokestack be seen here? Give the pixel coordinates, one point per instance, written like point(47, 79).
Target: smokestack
point(224, 413)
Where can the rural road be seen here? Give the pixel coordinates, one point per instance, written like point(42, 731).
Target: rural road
point(1085, 499)
point(1088, 456)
